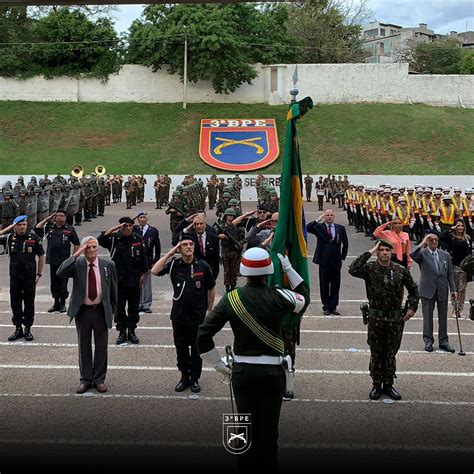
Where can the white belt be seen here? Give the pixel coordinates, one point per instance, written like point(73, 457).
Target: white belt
point(263, 359)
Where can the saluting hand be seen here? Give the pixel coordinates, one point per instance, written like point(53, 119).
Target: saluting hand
point(374, 248)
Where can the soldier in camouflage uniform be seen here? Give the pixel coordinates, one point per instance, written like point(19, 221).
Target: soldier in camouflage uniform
point(9, 208)
point(274, 202)
point(101, 195)
point(212, 190)
point(384, 282)
point(308, 184)
point(230, 236)
point(222, 204)
point(177, 210)
point(220, 188)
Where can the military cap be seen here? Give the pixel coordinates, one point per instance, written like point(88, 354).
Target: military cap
point(179, 187)
point(37, 189)
point(225, 195)
point(61, 211)
point(7, 192)
point(438, 191)
point(230, 212)
point(176, 193)
point(447, 197)
point(19, 219)
point(23, 190)
point(126, 220)
point(142, 213)
point(273, 192)
point(431, 231)
point(384, 243)
point(233, 202)
point(187, 236)
point(457, 189)
point(402, 199)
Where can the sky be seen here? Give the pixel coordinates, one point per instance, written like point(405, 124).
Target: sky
point(442, 16)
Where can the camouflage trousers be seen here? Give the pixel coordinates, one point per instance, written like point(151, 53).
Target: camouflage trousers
point(231, 262)
point(384, 339)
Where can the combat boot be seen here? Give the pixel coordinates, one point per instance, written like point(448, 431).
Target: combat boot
point(391, 391)
point(28, 335)
point(62, 305)
point(376, 391)
point(18, 333)
point(132, 337)
point(122, 337)
point(55, 306)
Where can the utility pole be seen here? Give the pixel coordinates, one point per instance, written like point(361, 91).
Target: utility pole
point(185, 83)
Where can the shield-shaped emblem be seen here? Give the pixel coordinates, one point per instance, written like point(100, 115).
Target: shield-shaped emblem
point(237, 432)
point(238, 144)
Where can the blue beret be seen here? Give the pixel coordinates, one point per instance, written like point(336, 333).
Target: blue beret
point(19, 219)
point(142, 213)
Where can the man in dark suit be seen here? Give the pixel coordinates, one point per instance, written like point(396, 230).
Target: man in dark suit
point(92, 306)
point(207, 247)
point(331, 251)
point(436, 280)
point(151, 241)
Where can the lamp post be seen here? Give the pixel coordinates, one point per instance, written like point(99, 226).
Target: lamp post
point(185, 82)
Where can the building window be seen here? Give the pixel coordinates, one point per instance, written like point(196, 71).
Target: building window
point(393, 32)
point(382, 31)
point(371, 33)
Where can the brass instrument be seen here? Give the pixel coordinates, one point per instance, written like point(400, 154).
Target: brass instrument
point(77, 171)
point(99, 170)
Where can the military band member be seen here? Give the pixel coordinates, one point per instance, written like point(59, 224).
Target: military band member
point(23, 246)
point(255, 314)
point(194, 294)
point(385, 282)
point(308, 184)
point(129, 254)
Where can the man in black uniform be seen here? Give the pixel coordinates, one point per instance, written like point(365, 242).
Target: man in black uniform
point(23, 246)
point(255, 315)
point(194, 293)
point(128, 252)
point(60, 236)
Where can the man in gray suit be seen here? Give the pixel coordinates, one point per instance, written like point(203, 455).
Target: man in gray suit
point(92, 306)
point(436, 279)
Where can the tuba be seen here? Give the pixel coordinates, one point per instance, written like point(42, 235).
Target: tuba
point(77, 171)
point(99, 170)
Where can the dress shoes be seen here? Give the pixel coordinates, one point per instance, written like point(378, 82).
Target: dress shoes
point(83, 387)
point(429, 347)
point(195, 387)
point(446, 347)
point(17, 334)
point(376, 391)
point(336, 313)
point(326, 312)
point(391, 391)
point(183, 384)
point(122, 337)
point(288, 396)
point(101, 387)
point(132, 337)
point(27, 333)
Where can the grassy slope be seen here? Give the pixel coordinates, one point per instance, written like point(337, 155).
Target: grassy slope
point(38, 138)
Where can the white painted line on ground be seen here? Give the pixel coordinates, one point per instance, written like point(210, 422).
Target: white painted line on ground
point(169, 328)
point(351, 350)
point(209, 369)
point(226, 399)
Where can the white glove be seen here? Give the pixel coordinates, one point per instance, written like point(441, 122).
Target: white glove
point(213, 358)
point(291, 273)
point(285, 262)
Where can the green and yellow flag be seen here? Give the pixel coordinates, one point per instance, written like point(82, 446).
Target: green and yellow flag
point(290, 234)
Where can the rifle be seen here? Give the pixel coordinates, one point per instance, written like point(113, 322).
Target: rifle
point(239, 244)
point(173, 205)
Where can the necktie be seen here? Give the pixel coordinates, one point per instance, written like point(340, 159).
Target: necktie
point(143, 231)
point(435, 257)
point(92, 293)
point(201, 245)
point(329, 232)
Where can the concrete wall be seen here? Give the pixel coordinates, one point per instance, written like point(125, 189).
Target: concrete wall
point(326, 83)
point(248, 182)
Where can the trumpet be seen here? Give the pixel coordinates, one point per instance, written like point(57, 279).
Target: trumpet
point(77, 171)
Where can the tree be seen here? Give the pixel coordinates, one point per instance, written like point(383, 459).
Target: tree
point(64, 42)
point(467, 62)
point(224, 40)
point(330, 30)
point(439, 57)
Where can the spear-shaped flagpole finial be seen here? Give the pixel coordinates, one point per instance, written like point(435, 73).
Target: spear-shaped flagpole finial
point(294, 91)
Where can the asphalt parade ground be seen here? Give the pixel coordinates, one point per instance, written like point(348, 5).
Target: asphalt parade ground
point(142, 425)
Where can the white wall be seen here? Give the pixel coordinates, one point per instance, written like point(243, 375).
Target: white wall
point(248, 182)
point(325, 83)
